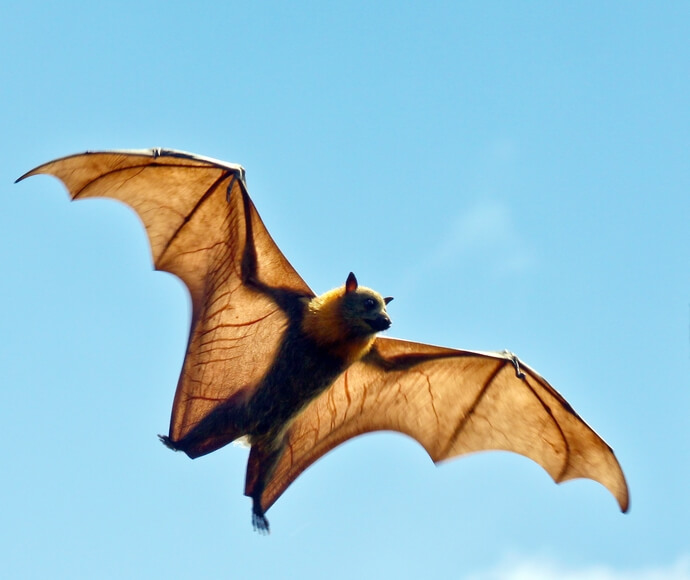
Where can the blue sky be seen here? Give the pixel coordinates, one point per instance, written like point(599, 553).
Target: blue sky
point(516, 175)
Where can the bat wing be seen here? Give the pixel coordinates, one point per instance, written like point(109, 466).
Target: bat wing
point(204, 228)
point(453, 402)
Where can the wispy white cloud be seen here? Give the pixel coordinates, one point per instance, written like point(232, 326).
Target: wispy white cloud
point(486, 231)
point(548, 570)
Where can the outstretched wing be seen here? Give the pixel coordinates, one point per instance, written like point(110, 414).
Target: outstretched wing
point(453, 402)
point(204, 228)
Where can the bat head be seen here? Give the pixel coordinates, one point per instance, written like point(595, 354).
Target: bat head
point(363, 310)
point(345, 320)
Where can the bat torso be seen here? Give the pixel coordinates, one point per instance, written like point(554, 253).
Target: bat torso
point(301, 371)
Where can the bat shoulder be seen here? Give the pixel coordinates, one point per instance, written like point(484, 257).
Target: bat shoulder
point(293, 302)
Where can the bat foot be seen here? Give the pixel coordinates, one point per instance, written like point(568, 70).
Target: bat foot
point(165, 440)
point(260, 524)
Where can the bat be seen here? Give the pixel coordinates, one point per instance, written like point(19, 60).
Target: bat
point(296, 374)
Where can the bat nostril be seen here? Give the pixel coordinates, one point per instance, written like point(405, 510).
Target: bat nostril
point(381, 323)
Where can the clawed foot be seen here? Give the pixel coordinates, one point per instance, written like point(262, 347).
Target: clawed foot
point(260, 524)
point(165, 440)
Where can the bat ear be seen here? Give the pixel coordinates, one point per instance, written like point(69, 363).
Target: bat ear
point(351, 283)
point(388, 299)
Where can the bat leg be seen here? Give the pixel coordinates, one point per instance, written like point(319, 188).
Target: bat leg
point(260, 467)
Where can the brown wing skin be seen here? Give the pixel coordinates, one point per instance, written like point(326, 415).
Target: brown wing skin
point(204, 228)
point(453, 402)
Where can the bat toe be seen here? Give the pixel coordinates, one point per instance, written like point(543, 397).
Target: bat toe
point(260, 524)
point(165, 440)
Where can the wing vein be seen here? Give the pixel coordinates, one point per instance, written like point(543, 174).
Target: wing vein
point(470, 412)
point(191, 213)
point(549, 412)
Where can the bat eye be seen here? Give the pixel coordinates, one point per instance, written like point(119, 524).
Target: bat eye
point(369, 303)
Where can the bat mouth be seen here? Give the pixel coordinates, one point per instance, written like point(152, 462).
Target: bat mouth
point(381, 322)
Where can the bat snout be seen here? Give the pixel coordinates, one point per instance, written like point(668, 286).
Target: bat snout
point(381, 322)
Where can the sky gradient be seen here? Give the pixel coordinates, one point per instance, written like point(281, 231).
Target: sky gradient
point(517, 176)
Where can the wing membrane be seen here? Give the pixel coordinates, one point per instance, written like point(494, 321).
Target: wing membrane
point(453, 402)
point(201, 224)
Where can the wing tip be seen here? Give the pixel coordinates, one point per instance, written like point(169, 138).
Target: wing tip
point(624, 500)
point(617, 488)
point(29, 173)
